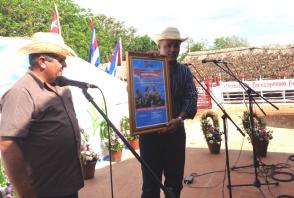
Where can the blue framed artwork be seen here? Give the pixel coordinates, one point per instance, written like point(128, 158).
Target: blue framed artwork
point(149, 92)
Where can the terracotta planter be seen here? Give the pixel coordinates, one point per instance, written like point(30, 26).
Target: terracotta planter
point(134, 143)
point(88, 170)
point(214, 148)
point(261, 148)
point(116, 156)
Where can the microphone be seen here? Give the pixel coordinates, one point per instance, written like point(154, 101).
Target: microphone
point(212, 61)
point(63, 81)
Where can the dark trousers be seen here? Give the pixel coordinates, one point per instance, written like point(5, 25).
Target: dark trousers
point(75, 195)
point(165, 154)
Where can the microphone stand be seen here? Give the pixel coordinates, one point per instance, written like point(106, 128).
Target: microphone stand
point(224, 118)
point(249, 92)
point(167, 192)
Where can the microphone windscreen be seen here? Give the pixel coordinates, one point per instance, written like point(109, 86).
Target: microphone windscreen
point(61, 81)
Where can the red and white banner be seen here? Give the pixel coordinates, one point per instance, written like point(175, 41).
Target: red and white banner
point(259, 85)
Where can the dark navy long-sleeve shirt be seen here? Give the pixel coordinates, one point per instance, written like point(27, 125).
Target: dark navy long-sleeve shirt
point(183, 91)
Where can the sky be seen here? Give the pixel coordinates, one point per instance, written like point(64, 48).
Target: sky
point(261, 22)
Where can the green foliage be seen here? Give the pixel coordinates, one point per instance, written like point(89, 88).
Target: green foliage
point(5, 187)
point(3, 178)
point(94, 117)
point(115, 143)
point(142, 44)
point(85, 137)
point(22, 18)
point(230, 42)
point(260, 132)
point(196, 46)
point(193, 47)
point(125, 129)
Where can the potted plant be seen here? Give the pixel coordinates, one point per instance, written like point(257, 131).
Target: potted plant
point(89, 160)
point(259, 135)
point(125, 129)
point(88, 156)
point(116, 144)
point(210, 128)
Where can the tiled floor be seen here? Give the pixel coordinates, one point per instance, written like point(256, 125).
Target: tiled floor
point(127, 174)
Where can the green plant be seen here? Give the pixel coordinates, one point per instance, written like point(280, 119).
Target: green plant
point(6, 190)
point(85, 137)
point(94, 118)
point(260, 132)
point(115, 142)
point(210, 127)
point(125, 129)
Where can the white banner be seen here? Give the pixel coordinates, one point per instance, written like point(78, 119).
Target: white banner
point(260, 85)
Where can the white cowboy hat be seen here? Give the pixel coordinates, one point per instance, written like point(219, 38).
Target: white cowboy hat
point(170, 33)
point(47, 42)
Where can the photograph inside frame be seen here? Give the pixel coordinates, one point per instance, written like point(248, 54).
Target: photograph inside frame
point(149, 92)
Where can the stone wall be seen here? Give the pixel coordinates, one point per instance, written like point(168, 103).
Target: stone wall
point(269, 62)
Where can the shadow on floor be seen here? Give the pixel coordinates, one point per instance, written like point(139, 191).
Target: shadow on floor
point(127, 177)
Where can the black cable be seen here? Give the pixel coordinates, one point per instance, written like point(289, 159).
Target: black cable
point(207, 173)
point(224, 179)
point(196, 175)
point(239, 155)
point(290, 175)
point(216, 185)
point(261, 192)
point(264, 174)
point(109, 150)
point(291, 158)
point(282, 165)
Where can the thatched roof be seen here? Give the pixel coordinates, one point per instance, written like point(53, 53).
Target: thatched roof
point(270, 62)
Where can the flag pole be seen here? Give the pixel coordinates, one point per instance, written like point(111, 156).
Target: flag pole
point(57, 16)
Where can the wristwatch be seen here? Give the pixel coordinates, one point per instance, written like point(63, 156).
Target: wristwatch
point(182, 119)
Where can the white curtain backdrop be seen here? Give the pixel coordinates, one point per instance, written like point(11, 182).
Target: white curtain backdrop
point(14, 65)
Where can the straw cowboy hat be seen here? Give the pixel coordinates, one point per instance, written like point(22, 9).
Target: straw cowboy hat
point(170, 33)
point(47, 42)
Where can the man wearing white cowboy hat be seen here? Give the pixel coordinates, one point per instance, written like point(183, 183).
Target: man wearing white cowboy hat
point(164, 151)
point(40, 137)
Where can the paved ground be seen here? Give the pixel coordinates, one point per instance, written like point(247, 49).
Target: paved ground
point(127, 174)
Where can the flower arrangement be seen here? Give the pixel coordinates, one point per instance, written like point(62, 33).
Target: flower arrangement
point(210, 127)
point(115, 142)
point(260, 132)
point(88, 155)
point(6, 190)
point(125, 129)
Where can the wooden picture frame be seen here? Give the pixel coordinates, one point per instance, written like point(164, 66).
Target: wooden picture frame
point(149, 92)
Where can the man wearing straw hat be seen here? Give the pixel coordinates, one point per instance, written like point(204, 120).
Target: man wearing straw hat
point(164, 151)
point(40, 137)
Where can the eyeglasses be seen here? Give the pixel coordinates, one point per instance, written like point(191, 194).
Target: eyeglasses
point(50, 57)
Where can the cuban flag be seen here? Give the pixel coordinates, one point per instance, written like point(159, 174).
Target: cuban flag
point(115, 58)
point(55, 25)
point(94, 56)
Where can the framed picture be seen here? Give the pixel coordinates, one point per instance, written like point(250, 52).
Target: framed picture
point(149, 92)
